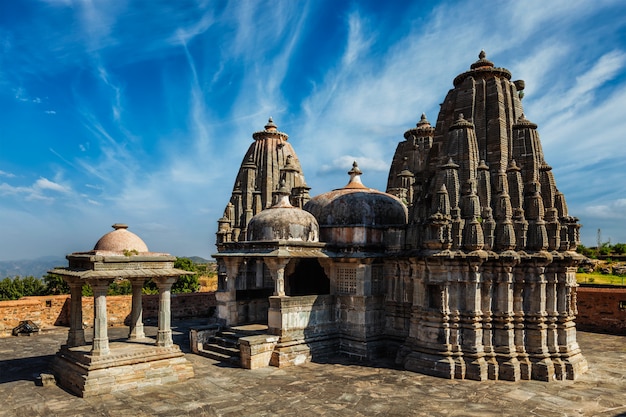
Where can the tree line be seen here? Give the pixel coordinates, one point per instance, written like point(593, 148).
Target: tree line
point(603, 250)
point(14, 288)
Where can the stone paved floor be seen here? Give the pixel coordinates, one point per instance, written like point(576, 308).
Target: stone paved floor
point(342, 388)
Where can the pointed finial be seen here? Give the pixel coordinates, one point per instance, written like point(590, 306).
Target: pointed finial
point(482, 54)
point(355, 169)
point(270, 125)
point(423, 121)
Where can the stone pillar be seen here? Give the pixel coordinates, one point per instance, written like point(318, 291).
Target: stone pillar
point(504, 327)
point(519, 294)
point(275, 322)
point(227, 298)
point(164, 333)
point(100, 336)
point(259, 274)
point(76, 335)
point(136, 313)
point(277, 269)
point(536, 319)
point(472, 325)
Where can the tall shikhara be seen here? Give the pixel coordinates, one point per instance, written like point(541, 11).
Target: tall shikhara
point(269, 160)
point(490, 239)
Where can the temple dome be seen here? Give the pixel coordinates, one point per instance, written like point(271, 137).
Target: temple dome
point(358, 216)
point(357, 205)
point(120, 240)
point(282, 221)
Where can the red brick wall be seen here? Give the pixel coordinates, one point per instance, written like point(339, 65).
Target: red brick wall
point(598, 309)
point(48, 311)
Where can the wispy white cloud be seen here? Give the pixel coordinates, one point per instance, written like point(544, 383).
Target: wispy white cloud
point(612, 210)
point(344, 163)
point(7, 174)
point(37, 191)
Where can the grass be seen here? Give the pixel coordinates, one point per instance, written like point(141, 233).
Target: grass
point(598, 278)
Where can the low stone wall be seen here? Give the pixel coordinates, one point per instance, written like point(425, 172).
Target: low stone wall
point(602, 309)
point(49, 311)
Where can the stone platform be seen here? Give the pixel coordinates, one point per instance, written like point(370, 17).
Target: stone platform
point(129, 365)
point(342, 387)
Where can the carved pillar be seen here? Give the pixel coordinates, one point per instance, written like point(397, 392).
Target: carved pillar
point(536, 327)
point(519, 293)
point(76, 335)
point(277, 269)
point(504, 325)
point(164, 333)
point(471, 322)
point(136, 313)
point(227, 298)
point(100, 345)
point(259, 274)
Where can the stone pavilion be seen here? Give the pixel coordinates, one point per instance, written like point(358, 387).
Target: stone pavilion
point(103, 366)
point(464, 268)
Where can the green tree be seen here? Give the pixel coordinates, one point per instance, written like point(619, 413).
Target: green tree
point(18, 287)
point(55, 285)
point(619, 248)
point(184, 284)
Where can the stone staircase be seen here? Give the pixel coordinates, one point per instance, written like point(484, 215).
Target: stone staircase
point(223, 347)
point(222, 343)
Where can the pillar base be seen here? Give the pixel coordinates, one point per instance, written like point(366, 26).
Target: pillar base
point(127, 366)
point(433, 365)
point(575, 366)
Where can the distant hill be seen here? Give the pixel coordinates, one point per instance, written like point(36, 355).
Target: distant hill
point(198, 259)
point(30, 267)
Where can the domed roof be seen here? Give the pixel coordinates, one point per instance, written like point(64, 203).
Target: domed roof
point(282, 221)
point(120, 240)
point(357, 205)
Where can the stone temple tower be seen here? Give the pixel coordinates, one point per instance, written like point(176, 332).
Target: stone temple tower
point(493, 243)
point(269, 160)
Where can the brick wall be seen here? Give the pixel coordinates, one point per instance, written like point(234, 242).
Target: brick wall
point(48, 311)
point(599, 309)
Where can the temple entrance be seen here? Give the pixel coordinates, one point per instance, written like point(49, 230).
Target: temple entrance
point(308, 278)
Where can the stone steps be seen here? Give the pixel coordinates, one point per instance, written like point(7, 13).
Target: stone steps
point(224, 345)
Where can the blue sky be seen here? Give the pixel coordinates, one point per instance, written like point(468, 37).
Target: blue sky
point(140, 111)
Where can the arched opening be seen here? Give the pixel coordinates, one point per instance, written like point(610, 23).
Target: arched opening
point(308, 278)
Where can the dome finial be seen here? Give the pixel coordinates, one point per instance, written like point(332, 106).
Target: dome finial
point(118, 226)
point(271, 125)
point(282, 195)
point(355, 176)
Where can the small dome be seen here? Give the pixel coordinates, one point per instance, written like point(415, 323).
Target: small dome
point(120, 240)
point(282, 221)
point(357, 205)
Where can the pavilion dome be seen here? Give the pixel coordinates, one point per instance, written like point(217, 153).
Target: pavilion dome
point(357, 205)
point(282, 221)
point(120, 240)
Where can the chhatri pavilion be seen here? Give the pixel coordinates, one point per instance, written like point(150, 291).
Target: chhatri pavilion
point(103, 366)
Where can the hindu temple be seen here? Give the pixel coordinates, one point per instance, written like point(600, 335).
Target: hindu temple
point(464, 268)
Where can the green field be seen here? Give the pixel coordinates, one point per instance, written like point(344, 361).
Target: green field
point(598, 278)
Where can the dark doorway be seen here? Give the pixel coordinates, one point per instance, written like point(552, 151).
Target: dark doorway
point(308, 279)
